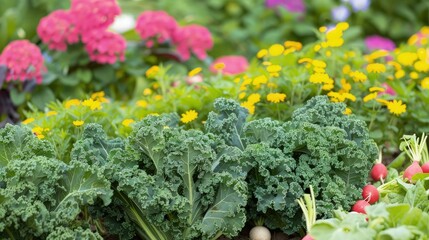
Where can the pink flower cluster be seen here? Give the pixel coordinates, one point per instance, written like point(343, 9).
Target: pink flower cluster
point(87, 20)
point(161, 27)
point(233, 65)
point(375, 42)
point(24, 61)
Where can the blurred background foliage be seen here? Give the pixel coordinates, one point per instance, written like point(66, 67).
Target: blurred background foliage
point(241, 26)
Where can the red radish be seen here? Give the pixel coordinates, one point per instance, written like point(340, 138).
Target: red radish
point(308, 237)
point(379, 172)
point(360, 206)
point(370, 194)
point(413, 169)
point(425, 167)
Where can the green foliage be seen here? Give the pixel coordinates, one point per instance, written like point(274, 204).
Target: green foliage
point(320, 146)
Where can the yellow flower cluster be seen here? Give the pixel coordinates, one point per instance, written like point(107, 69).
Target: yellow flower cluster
point(152, 71)
point(334, 37)
point(39, 131)
point(127, 122)
point(100, 97)
point(341, 96)
point(72, 102)
point(93, 105)
point(78, 123)
point(376, 68)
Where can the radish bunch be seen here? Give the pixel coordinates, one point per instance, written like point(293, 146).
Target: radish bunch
point(379, 171)
point(370, 196)
point(416, 149)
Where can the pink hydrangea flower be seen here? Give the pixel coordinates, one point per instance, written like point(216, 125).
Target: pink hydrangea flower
point(297, 6)
point(195, 38)
point(24, 61)
point(94, 14)
point(377, 42)
point(57, 30)
point(156, 24)
point(105, 47)
point(233, 65)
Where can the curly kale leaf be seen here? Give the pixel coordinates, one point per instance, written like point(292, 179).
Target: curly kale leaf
point(178, 188)
point(228, 121)
point(320, 147)
point(18, 142)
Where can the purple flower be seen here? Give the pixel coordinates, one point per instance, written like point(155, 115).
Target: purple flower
point(360, 5)
point(297, 6)
point(378, 42)
point(340, 14)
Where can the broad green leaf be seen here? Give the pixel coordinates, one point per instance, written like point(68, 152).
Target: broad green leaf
point(42, 96)
point(17, 97)
point(398, 233)
point(417, 197)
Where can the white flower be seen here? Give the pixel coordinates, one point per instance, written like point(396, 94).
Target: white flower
point(123, 23)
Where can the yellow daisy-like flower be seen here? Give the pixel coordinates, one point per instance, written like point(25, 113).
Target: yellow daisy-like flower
point(396, 107)
point(152, 71)
point(399, 74)
point(396, 65)
point(72, 102)
point(342, 26)
point(147, 91)
point(376, 89)
point(317, 47)
point(241, 95)
point(421, 66)
point(274, 68)
point(189, 116)
point(28, 121)
point(318, 64)
point(51, 113)
point(323, 29)
point(262, 53)
point(370, 97)
point(37, 130)
point(349, 96)
point(276, 97)
point(345, 86)
point(127, 122)
point(78, 123)
point(327, 87)
point(94, 105)
point(425, 83)
point(382, 101)
point(142, 103)
point(376, 68)
point(293, 44)
point(319, 70)
point(219, 66)
point(254, 98)
point(249, 106)
point(320, 78)
point(276, 50)
point(348, 111)
point(194, 71)
point(414, 75)
point(407, 58)
point(347, 69)
point(358, 76)
point(262, 79)
point(376, 54)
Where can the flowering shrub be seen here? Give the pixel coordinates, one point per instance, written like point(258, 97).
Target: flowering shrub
point(157, 25)
point(105, 47)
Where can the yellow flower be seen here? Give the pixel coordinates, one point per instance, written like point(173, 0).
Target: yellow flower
point(293, 44)
point(318, 64)
point(28, 121)
point(335, 42)
point(262, 53)
point(152, 71)
point(142, 103)
point(376, 68)
point(376, 89)
point(289, 50)
point(399, 74)
point(274, 68)
point(241, 95)
point(348, 111)
point(358, 76)
point(396, 107)
point(407, 58)
point(370, 97)
point(276, 50)
point(94, 105)
point(319, 70)
point(37, 130)
point(194, 71)
point(72, 102)
point(189, 116)
point(347, 69)
point(157, 97)
point(303, 60)
point(219, 66)
point(51, 113)
point(336, 97)
point(261, 79)
point(414, 75)
point(346, 87)
point(320, 78)
point(254, 98)
point(327, 87)
point(249, 106)
point(317, 47)
point(349, 96)
point(147, 91)
point(396, 65)
point(342, 26)
point(97, 95)
point(328, 53)
point(276, 97)
point(323, 29)
point(425, 83)
point(266, 63)
point(78, 123)
point(377, 54)
point(274, 74)
point(155, 85)
point(382, 101)
point(272, 85)
point(127, 122)
point(421, 66)
point(40, 136)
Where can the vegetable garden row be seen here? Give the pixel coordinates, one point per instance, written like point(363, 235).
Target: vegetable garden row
point(146, 137)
